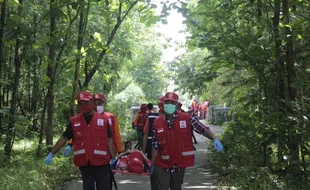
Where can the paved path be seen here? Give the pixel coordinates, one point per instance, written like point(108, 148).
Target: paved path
point(197, 177)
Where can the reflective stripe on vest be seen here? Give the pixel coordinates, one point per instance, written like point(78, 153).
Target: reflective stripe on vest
point(187, 153)
point(100, 152)
point(77, 152)
point(152, 116)
point(149, 137)
point(165, 157)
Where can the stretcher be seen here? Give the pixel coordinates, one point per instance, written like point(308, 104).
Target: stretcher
point(128, 157)
point(122, 172)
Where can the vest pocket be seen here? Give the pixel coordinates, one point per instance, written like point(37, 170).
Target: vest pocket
point(161, 138)
point(100, 128)
point(78, 133)
point(185, 136)
point(187, 151)
point(79, 155)
point(100, 153)
point(100, 148)
point(79, 149)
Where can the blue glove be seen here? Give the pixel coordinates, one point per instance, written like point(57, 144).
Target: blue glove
point(152, 169)
point(113, 163)
point(218, 145)
point(49, 159)
point(67, 150)
point(135, 127)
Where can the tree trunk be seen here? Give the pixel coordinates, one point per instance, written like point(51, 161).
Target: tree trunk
point(42, 129)
point(51, 75)
point(78, 58)
point(291, 76)
point(2, 21)
point(17, 65)
point(280, 90)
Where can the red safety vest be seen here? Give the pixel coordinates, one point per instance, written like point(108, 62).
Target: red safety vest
point(142, 120)
point(194, 106)
point(90, 141)
point(175, 145)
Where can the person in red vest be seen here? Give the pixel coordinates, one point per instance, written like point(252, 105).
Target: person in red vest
point(148, 129)
point(148, 134)
point(139, 122)
point(195, 106)
point(99, 101)
point(92, 142)
point(203, 107)
point(172, 143)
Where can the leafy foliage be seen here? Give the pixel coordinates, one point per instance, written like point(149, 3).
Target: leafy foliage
point(33, 174)
point(255, 53)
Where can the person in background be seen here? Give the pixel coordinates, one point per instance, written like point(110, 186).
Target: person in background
point(93, 145)
point(203, 107)
point(149, 107)
point(148, 135)
point(208, 103)
point(148, 130)
point(139, 122)
point(99, 101)
point(195, 106)
point(172, 145)
point(179, 107)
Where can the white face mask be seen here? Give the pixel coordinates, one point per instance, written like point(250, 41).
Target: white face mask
point(100, 109)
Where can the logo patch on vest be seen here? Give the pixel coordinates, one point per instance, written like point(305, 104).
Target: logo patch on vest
point(160, 130)
point(100, 122)
point(182, 124)
point(110, 121)
point(76, 124)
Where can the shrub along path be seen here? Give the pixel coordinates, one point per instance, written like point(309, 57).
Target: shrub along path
point(197, 177)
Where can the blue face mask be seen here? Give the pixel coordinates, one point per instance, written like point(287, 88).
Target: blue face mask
point(170, 108)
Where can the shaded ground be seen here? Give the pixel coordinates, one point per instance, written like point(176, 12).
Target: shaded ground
point(197, 177)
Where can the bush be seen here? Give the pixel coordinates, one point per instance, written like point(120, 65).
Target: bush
point(129, 135)
point(240, 165)
point(23, 171)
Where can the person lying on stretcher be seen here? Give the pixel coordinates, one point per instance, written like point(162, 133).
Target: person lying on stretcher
point(132, 161)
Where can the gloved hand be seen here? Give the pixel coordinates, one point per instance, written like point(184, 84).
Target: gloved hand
point(218, 145)
point(67, 150)
point(113, 163)
point(49, 159)
point(135, 127)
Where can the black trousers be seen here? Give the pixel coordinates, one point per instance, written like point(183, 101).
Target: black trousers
point(149, 149)
point(140, 136)
point(96, 176)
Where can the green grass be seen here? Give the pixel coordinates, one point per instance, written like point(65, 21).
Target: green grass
point(25, 171)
